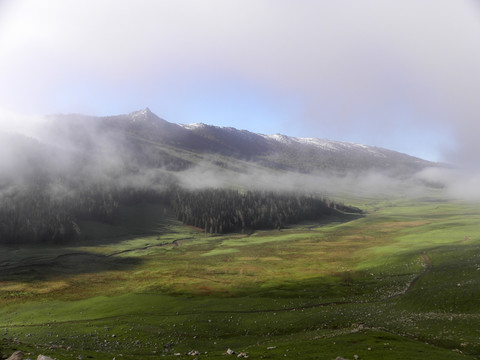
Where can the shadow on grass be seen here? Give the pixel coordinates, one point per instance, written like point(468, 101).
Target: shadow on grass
point(146, 219)
point(65, 265)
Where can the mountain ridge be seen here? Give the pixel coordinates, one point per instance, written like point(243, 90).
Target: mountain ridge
point(262, 147)
point(147, 135)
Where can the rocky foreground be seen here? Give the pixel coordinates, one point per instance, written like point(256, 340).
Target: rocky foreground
point(19, 355)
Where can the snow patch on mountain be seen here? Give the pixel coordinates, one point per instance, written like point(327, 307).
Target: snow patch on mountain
point(319, 143)
point(193, 126)
point(328, 145)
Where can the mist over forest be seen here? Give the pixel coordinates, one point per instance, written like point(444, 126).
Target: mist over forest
point(69, 168)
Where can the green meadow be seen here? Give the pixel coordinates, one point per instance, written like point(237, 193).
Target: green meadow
point(400, 282)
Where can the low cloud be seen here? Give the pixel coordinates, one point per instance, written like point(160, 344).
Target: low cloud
point(366, 183)
point(30, 147)
point(456, 183)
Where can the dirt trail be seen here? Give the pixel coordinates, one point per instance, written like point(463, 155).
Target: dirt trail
point(175, 243)
point(428, 267)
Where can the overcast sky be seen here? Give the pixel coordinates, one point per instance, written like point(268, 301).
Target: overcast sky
point(401, 74)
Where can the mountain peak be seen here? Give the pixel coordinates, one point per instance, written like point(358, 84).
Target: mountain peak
point(142, 115)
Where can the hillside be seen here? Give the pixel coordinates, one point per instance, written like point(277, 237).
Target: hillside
point(82, 168)
point(132, 237)
point(152, 141)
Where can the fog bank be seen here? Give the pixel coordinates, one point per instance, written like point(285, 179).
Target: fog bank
point(80, 152)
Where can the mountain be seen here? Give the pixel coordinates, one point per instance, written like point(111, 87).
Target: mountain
point(84, 168)
point(150, 141)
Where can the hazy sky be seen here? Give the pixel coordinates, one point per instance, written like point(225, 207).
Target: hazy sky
point(401, 74)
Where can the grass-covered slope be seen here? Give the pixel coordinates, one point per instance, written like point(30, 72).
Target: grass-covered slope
point(400, 283)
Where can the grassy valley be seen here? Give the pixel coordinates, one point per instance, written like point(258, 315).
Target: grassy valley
point(130, 237)
point(400, 282)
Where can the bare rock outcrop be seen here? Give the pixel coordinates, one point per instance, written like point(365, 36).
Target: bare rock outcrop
point(17, 355)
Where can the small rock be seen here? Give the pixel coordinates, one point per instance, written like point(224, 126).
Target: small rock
point(242, 355)
point(17, 355)
point(43, 357)
point(271, 347)
point(229, 352)
point(193, 353)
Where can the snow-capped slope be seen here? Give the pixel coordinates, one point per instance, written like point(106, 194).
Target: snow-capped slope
point(146, 135)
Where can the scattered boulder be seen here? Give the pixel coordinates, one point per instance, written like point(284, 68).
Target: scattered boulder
point(43, 357)
point(193, 353)
point(242, 355)
point(17, 355)
point(230, 352)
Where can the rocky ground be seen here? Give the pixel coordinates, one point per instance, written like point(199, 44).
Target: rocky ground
point(19, 355)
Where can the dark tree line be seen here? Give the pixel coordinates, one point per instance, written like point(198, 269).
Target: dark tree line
point(38, 214)
point(50, 211)
point(223, 210)
point(32, 215)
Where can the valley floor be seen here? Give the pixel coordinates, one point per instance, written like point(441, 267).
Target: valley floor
point(403, 282)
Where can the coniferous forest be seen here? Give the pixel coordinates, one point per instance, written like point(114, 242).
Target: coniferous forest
point(50, 213)
point(224, 210)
